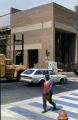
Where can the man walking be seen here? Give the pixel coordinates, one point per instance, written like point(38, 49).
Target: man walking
point(48, 91)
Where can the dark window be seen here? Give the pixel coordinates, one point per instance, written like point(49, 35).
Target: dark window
point(38, 73)
point(28, 72)
point(75, 23)
point(19, 58)
point(45, 72)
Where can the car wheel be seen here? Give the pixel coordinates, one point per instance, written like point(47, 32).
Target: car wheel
point(18, 77)
point(76, 71)
point(9, 79)
point(41, 82)
point(62, 80)
point(31, 84)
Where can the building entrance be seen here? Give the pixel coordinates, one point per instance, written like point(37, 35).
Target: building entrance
point(32, 58)
point(65, 44)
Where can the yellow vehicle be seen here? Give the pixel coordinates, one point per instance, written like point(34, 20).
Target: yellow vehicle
point(8, 70)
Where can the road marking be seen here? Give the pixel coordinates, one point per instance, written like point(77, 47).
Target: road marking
point(31, 109)
point(31, 115)
point(66, 103)
point(71, 114)
point(74, 94)
point(69, 98)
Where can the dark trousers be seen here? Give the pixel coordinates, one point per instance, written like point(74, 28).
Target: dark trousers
point(48, 97)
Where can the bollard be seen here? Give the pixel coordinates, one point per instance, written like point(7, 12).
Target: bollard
point(62, 115)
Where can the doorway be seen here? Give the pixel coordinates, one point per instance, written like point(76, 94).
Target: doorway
point(65, 49)
point(32, 58)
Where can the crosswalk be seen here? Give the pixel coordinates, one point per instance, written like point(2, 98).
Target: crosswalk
point(31, 109)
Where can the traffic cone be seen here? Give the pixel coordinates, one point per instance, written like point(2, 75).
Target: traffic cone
point(62, 115)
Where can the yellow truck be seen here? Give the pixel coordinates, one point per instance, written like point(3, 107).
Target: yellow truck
point(8, 70)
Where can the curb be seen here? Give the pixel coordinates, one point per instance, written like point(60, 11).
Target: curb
point(72, 78)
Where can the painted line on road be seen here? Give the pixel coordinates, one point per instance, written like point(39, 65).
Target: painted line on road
point(70, 114)
point(66, 103)
point(39, 105)
point(31, 115)
point(74, 94)
point(69, 98)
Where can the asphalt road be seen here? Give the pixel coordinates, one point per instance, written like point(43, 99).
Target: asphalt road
point(18, 91)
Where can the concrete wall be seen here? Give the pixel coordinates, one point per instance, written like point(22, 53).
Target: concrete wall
point(64, 21)
point(38, 26)
point(64, 18)
point(76, 54)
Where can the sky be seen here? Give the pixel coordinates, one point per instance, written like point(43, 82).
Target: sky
point(5, 5)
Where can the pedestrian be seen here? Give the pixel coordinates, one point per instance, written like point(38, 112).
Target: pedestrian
point(47, 94)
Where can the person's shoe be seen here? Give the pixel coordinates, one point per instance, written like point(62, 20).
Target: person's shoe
point(54, 108)
point(44, 111)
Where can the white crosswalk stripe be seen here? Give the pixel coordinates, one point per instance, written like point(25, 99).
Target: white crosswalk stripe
point(31, 109)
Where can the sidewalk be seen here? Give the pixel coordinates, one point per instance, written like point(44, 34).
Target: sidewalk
point(31, 109)
point(68, 73)
point(72, 78)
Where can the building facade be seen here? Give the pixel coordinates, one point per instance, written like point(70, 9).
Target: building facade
point(47, 32)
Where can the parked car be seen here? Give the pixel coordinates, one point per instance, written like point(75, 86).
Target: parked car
point(38, 76)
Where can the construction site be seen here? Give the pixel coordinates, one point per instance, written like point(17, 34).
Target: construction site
point(25, 36)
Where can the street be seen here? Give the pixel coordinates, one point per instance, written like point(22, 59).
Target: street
point(17, 91)
point(15, 95)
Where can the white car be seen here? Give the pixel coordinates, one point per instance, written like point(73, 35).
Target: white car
point(38, 76)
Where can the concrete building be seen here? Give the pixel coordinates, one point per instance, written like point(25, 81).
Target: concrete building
point(47, 32)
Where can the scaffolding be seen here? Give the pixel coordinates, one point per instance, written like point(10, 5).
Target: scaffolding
point(5, 41)
point(5, 35)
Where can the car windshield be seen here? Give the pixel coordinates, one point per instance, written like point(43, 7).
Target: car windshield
point(28, 72)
